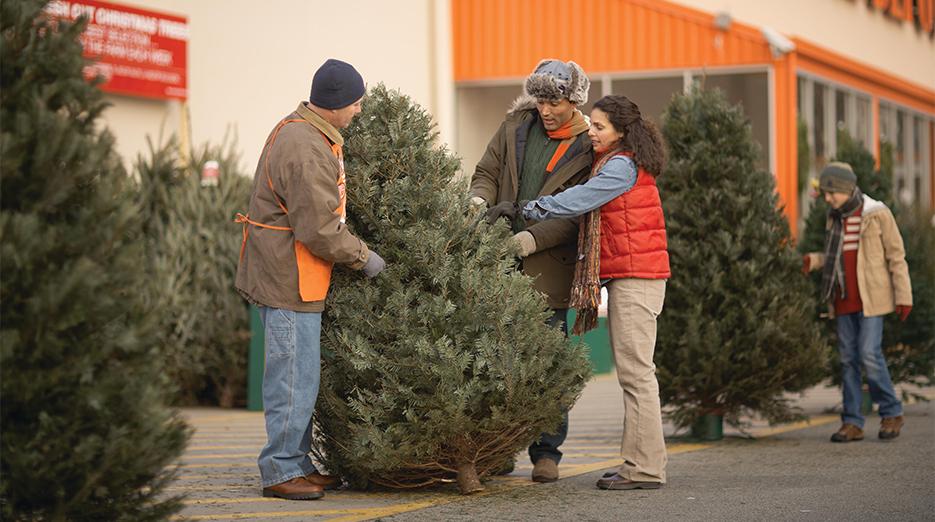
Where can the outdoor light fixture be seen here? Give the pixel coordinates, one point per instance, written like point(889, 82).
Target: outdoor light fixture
point(722, 20)
point(778, 43)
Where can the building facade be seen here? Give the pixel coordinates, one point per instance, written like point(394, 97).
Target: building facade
point(865, 67)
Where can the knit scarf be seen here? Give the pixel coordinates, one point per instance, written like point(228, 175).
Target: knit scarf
point(586, 285)
point(573, 127)
point(833, 271)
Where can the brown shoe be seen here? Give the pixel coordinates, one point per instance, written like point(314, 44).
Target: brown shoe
point(616, 482)
point(327, 482)
point(889, 427)
point(848, 433)
point(545, 470)
point(295, 489)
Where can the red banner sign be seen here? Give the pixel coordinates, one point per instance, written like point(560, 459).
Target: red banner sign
point(137, 52)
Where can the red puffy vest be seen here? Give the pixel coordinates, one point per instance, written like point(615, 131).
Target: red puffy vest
point(633, 233)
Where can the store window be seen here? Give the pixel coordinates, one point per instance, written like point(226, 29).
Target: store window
point(840, 110)
point(818, 126)
point(863, 121)
point(652, 95)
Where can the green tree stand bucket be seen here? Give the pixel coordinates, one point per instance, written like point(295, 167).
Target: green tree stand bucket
point(708, 427)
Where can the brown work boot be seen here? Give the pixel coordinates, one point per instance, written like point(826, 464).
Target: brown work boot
point(327, 482)
point(295, 489)
point(889, 427)
point(545, 470)
point(848, 433)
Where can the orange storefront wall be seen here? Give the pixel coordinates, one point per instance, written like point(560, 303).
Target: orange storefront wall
point(497, 40)
point(505, 39)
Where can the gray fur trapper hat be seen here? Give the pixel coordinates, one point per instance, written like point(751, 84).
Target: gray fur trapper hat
point(554, 79)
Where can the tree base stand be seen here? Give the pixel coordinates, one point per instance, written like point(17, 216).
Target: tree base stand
point(708, 427)
point(468, 480)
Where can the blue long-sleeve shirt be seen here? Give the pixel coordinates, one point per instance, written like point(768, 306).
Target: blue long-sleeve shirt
point(616, 177)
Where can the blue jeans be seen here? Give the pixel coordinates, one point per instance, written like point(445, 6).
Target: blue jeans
point(548, 443)
point(290, 388)
point(859, 343)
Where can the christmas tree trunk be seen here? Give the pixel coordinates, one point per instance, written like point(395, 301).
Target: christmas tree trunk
point(85, 433)
point(442, 368)
point(738, 331)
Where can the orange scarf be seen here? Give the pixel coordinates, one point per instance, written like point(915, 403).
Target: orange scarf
point(573, 127)
point(567, 133)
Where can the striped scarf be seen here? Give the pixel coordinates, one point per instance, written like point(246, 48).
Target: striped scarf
point(586, 286)
point(833, 272)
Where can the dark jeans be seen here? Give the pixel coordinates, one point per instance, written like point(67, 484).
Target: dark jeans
point(548, 443)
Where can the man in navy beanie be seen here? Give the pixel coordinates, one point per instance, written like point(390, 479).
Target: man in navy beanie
point(294, 233)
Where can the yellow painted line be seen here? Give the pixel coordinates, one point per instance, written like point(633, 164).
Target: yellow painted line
point(253, 431)
point(215, 447)
point(815, 421)
point(244, 415)
point(205, 456)
point(390, 510)
point(351, 514)
point(198, 487)
point(212, 475)
point(244, 464)
point(201, 501)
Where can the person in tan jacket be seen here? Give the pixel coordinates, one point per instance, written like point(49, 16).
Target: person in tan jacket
point(540, 149)
point(293, 235)
point(864, 277)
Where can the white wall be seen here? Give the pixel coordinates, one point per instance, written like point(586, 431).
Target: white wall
point(848, 27)
point(250, 63)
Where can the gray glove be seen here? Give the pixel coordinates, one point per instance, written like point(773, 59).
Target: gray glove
point(375, 265)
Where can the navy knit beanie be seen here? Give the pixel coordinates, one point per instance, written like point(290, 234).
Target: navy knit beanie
point(336, 85)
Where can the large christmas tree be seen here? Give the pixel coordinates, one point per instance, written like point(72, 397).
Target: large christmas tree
point(442, 368)
point(85, 432)
point(738, 330)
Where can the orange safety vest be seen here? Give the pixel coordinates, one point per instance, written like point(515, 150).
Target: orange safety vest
point(314, 272)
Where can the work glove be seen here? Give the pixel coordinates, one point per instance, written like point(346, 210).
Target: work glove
point(478, 201)
point(526, 242)
point(806, 264)
point(375, 264)
point(504, 209)
point(902, 311)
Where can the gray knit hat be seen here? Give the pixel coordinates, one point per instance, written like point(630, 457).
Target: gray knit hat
point(554, 80)
point(837, 177)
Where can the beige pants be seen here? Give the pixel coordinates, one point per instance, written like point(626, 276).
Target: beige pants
point(632, 308)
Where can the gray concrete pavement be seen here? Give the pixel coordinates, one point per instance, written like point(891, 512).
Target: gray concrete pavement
point(797, 475)
point(790, 472)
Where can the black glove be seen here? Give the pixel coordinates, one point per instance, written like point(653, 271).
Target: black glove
point(375, 264)
point(504, 209)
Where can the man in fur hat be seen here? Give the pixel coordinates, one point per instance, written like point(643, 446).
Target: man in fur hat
point(540, 149)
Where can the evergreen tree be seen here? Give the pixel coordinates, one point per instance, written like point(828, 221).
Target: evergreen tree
point(85, 433)
point(193, 250)
point(737, 331)
point(909, 346)
point(441, 368)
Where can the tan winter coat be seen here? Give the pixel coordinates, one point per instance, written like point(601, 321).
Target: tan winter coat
point(304, 172)
point(882, 272)
point(496, 179)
